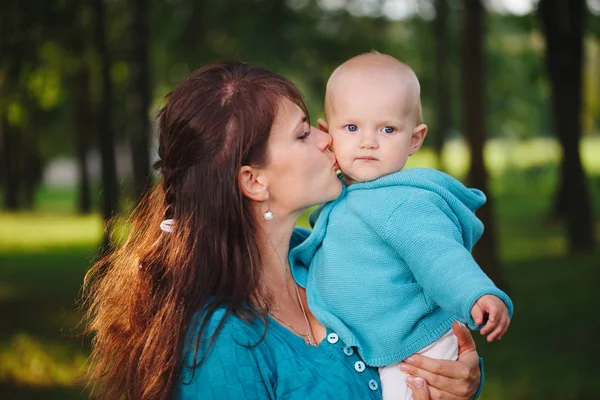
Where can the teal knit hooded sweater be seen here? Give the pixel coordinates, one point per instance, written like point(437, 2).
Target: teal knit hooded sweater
point(388, 265)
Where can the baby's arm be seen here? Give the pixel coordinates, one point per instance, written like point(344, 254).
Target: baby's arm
point(427, 235)
point(498, 318)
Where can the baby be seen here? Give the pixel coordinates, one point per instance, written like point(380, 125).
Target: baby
point(388, 264)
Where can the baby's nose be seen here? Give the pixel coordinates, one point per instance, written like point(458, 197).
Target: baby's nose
point(369, 141)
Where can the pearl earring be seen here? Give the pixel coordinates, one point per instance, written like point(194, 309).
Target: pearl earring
point(268, 215)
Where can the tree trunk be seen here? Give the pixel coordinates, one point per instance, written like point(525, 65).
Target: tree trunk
point(442, 73)
point(562, 22)
point(10, 185)
point(104, 124)
point(81, 130)
point(81, 110)
point(12, 48)
point(31, 162)
point(473, 89)
point(140, 98)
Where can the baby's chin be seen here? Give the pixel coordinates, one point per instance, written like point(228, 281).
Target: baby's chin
point(360, 176)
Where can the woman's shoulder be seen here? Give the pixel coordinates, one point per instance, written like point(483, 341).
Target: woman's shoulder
point(220, 354)
point(223, 328)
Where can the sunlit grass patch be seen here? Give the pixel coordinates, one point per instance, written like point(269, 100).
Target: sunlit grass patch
point(31, 231)
point(27, 360)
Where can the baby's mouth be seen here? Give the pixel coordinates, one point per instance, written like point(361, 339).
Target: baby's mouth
point(367, 158)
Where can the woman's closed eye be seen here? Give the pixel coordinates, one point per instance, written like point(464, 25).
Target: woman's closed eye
point(304, 135)
point(388, 130)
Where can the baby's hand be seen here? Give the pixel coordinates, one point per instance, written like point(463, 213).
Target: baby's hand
point(498, 318)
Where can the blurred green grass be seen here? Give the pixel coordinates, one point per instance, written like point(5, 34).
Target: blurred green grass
point(549, 353)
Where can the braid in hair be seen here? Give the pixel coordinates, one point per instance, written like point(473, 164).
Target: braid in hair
point(168, 182)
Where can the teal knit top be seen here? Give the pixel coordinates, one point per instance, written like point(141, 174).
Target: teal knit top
point(240, 366)
point(388, 264)
point(246, 363)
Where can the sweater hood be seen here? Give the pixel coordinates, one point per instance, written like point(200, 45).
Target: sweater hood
point(461, 200)
point(428, 179)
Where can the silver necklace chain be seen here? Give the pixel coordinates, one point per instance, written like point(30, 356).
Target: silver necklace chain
point(308, 335)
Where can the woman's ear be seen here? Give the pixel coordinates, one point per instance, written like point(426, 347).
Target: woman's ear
point(322, 124)
point(417, 138)
point(253, 184)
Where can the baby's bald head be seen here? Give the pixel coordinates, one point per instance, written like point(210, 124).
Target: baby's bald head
point(377, 71)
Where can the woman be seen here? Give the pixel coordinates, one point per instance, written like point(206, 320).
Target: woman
point(199, 302)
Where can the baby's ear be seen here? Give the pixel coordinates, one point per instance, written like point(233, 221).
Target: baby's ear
point(417, 138)
point(322, 124)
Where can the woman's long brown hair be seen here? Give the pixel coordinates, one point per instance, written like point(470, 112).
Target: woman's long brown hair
point(141, 297)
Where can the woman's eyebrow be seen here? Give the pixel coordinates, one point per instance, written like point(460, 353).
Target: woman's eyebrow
point(302, 120)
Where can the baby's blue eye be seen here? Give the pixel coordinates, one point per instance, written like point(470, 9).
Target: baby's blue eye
point(388, 129)
point(351, 128)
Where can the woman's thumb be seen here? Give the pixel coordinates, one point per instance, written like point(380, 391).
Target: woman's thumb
point(419, 388)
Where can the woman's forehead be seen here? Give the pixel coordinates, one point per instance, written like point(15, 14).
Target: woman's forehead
point(289, 117)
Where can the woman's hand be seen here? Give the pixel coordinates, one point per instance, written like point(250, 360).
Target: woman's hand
point(447, 380)
point(420, 390)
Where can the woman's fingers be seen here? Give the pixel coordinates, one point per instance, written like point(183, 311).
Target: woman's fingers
point(419, 388)
point(449, 379)
point(436, 394)
point(449, 385)
point(444, 368)
point(421, 391)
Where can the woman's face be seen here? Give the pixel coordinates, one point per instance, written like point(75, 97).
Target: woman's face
point(301, 170)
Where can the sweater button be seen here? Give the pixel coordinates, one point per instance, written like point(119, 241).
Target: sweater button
point(359, 366)
point(373, 385)
point(333, 338)
point(348, 350)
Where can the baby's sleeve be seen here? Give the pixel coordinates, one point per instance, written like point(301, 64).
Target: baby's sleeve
point(426, 234)
point(230, 371)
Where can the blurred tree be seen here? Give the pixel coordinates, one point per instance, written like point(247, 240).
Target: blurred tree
point(19, 38)
point(14, 27)
point(562, 23)
point(30, 86)
point(140, 96)
point(473, 89)
point(516, 97)
point(30, 161)
point(443, 109)
point(104, 118)
point(81, 107)
point(10, 182)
